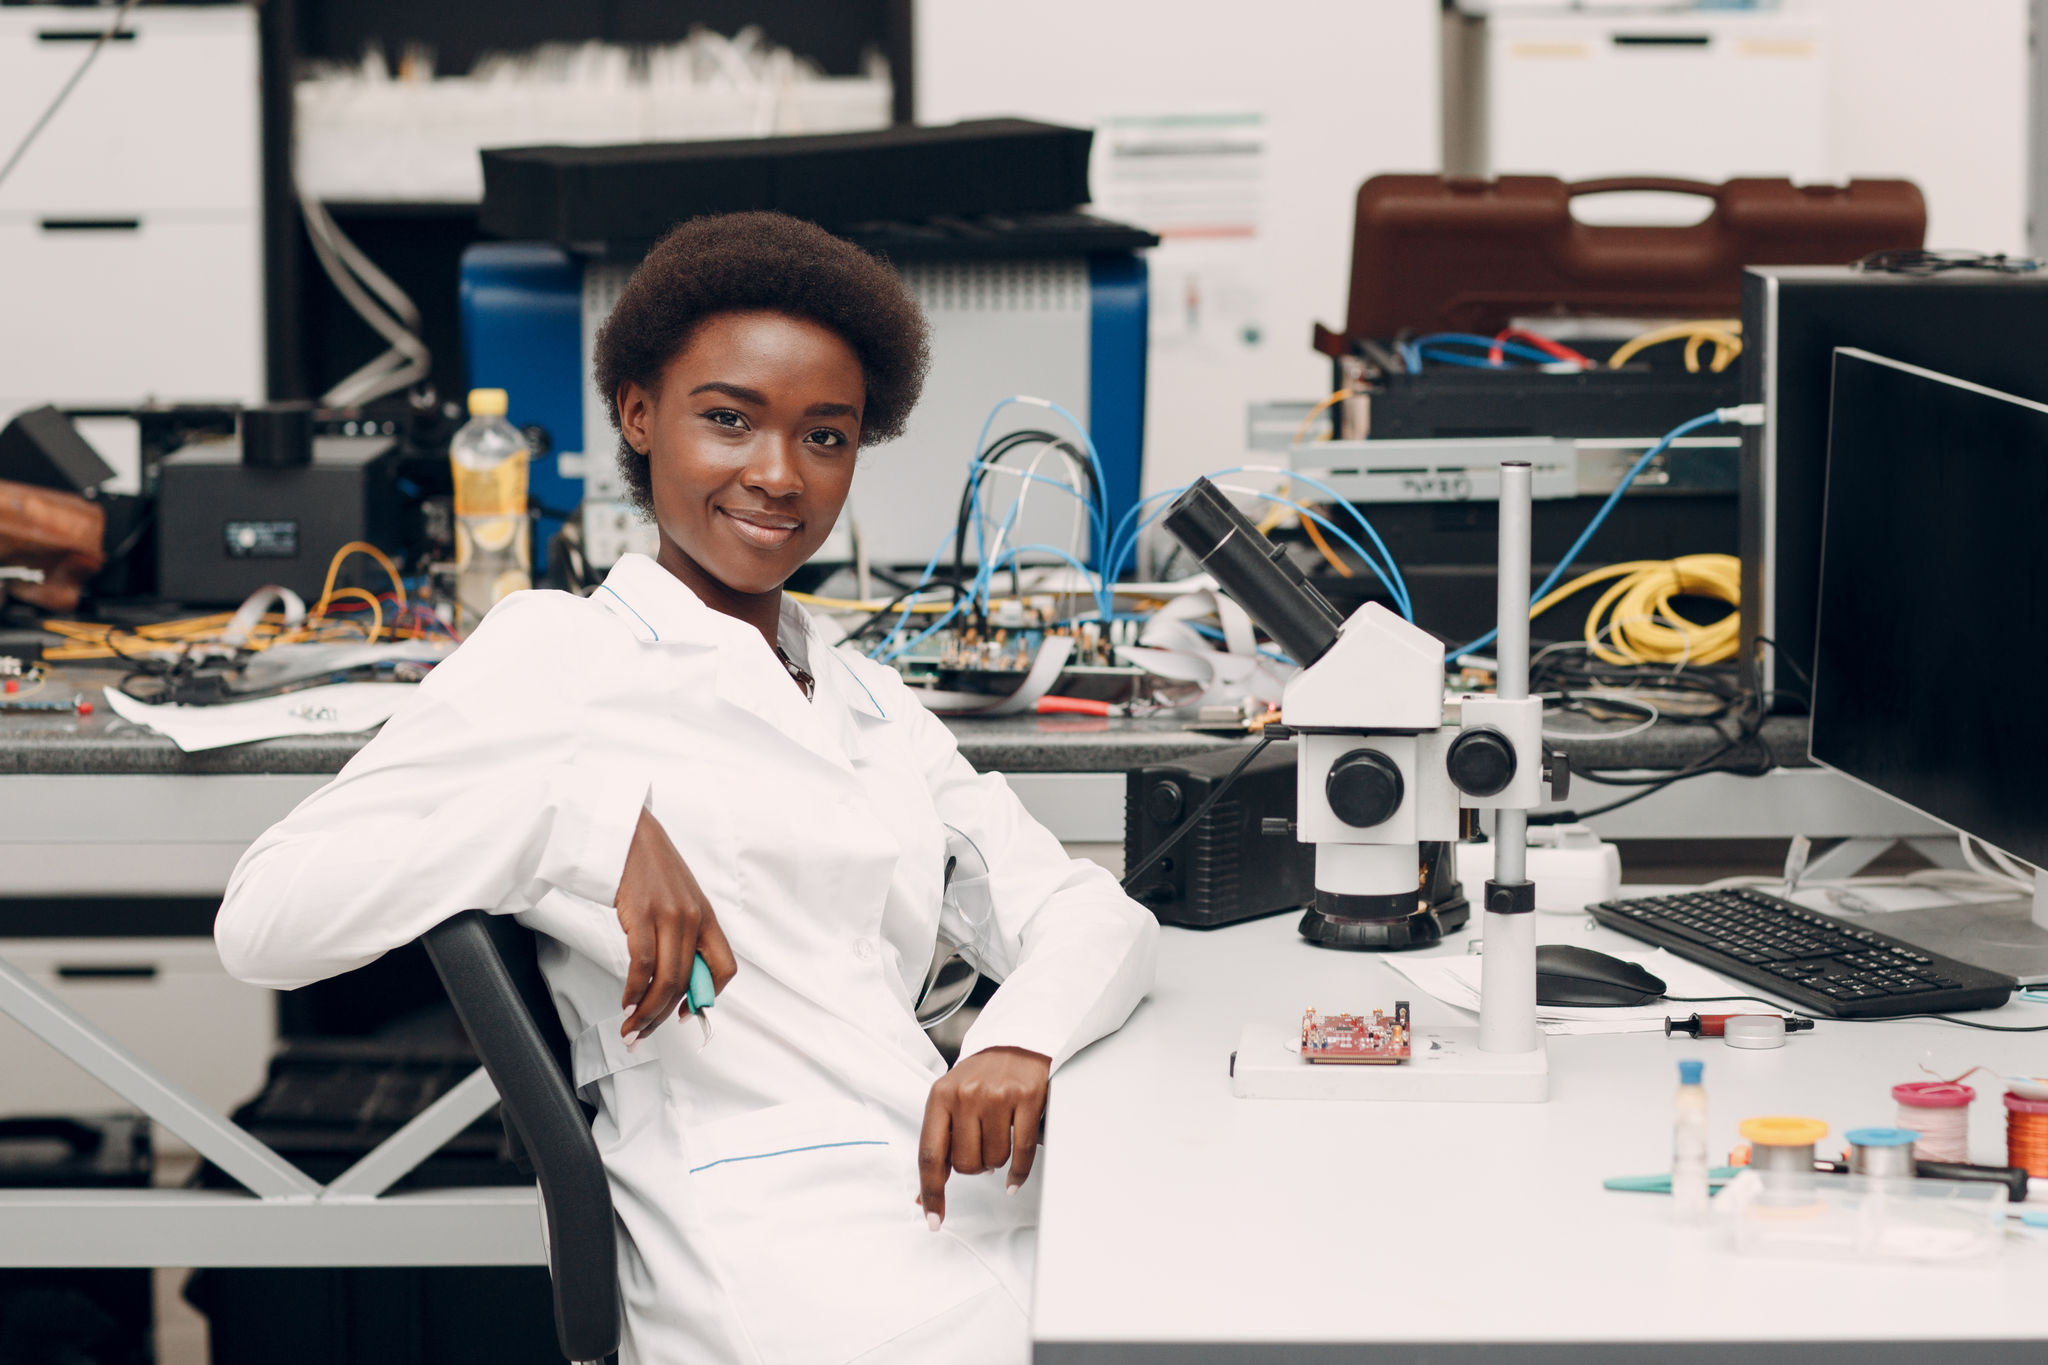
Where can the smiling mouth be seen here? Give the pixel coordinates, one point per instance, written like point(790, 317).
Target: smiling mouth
point(766, 530)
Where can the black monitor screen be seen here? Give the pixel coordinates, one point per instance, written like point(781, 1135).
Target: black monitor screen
point(1931, 665)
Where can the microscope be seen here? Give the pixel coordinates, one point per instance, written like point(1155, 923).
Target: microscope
point(1387, 764)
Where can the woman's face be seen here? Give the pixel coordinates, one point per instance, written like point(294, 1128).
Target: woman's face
point(750, 442)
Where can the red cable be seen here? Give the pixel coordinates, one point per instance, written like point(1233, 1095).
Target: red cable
point(1498, 355)
point(1072, 706)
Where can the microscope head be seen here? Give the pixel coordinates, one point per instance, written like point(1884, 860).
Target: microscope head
point(1367, 708)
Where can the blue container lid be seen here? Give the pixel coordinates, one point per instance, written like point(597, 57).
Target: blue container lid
point(1881, 1137)
point(1689, 1072)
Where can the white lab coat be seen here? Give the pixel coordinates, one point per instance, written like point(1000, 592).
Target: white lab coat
point(765, 1184)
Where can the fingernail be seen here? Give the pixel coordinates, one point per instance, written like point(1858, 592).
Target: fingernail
point(1013, 1189)
point(931, 1220)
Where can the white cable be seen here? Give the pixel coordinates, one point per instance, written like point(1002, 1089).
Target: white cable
point(1027, 479)
point(1654, 716)
point(2023, 884)
point(2013, 867)
point(408, 361)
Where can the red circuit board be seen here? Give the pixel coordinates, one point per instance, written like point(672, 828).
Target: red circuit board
point(1355, 1039)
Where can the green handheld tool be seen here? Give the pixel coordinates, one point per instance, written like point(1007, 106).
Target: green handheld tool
point(701, 995)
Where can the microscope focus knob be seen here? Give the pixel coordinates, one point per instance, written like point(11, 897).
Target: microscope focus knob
point(1364, 788)
point(1481, 762)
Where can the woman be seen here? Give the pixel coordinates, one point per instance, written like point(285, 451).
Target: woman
point(681, 764)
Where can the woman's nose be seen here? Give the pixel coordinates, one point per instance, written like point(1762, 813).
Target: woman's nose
point(772, 469)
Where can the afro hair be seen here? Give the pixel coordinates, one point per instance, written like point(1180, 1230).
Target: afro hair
point(766, 262)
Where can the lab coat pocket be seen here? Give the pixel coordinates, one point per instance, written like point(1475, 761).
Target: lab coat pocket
point(811, 1216)
point(626, 1091)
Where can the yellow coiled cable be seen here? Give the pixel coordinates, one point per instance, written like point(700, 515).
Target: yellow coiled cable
point(1634, 622)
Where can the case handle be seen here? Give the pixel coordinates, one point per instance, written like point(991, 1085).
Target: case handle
point(1663, 184)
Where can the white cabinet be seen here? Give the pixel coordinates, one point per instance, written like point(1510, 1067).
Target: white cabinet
point(168, 1000)
point(131, 261)
point(1705, 95)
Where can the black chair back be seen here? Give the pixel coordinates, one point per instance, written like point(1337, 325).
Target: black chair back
point(490, 965)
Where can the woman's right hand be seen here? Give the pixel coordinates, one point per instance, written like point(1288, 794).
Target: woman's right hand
point(668, 923)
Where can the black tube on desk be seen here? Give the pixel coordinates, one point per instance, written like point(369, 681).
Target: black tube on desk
point(2014, 1178)
point(1254, 571)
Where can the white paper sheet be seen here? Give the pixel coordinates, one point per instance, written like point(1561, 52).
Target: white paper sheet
point(1455, 982)
point(339, 709)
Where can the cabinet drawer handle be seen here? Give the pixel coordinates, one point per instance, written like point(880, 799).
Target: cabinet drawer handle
point(1663, 40)
point(92, 225)
point(108, 971)
point(83, 35)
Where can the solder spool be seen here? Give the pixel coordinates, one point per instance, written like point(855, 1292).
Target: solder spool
point(2026, 1134)
point(1884, 1153)
point(1782, 1144)
point(1940, 1112)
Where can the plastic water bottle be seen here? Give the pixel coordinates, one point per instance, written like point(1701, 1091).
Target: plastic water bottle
point(1689, 1146)
point(493, 539)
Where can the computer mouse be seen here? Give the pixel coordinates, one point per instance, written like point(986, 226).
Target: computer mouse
point(1570, 975)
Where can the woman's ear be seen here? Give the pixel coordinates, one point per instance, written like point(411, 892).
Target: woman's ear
point(636, 416)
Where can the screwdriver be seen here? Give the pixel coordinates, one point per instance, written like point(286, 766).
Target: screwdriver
point(1716, 1025)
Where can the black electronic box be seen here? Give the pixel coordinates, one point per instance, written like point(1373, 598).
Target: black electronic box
point(1227, 868)
point(226, 528)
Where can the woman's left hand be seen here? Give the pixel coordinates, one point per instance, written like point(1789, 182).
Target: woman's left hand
point(983, 1112)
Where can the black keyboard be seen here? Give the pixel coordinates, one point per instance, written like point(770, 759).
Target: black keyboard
point(1815, 962)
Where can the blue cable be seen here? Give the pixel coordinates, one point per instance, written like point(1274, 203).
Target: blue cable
point(1400, 598)
point(1418, 349)
point(1508, 347)
point(1124, 543)
point(1098, 514)
point(1470, 362)
point(1705, 419)
point(1388, 555)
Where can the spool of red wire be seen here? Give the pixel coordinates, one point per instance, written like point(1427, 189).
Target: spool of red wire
point(1940, 1112)
point(2026, 1134)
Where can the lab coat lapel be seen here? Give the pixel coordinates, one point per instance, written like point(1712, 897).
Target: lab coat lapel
point(664, 611)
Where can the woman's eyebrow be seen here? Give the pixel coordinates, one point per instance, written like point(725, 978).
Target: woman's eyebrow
point(831, 410)
point(739, 391)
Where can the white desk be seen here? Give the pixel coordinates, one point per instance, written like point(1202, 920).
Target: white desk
point(1181, 1224)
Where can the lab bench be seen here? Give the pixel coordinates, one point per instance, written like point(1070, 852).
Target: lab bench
point(1182, 1224)
point(114, 846)
point(97, 806)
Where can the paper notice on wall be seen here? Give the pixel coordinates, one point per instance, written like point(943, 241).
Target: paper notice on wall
point(1198, 180)
point(1182, 175)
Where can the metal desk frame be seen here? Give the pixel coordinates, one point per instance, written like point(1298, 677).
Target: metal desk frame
point(284, 1218)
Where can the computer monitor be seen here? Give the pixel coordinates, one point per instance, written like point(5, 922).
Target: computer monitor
point(1931, 644)
point(1978, 325)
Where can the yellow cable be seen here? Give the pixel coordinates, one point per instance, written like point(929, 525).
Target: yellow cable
point(1277, 512)
point(1633, 622)
point(89, 640)
point(314, 621)
point(1317, 411)
point(1725, 333)
point(854, 604)
point(361, 547)
point(1308, 524)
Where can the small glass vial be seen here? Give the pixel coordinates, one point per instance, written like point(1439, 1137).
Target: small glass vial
point(1689, 1145)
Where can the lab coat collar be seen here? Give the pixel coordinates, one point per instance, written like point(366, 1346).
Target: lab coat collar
point(660, 608)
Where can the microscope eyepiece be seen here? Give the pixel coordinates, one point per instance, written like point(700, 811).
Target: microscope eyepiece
point(1254, 571)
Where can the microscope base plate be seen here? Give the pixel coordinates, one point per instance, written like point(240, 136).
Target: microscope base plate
point(1445, 1065)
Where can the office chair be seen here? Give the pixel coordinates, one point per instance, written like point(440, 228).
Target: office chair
point(490, 965)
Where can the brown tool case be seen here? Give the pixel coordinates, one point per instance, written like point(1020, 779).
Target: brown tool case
point(1435, 253)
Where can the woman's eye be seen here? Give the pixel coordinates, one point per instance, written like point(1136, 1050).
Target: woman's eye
point(726, 417)
point(826, 436)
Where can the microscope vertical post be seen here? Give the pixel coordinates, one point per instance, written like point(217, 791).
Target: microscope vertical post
point(1507, 984)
